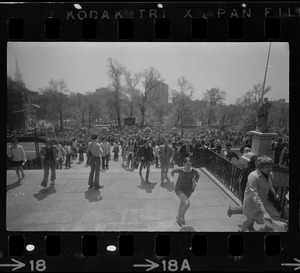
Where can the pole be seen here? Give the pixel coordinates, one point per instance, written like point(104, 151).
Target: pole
point(263, 88)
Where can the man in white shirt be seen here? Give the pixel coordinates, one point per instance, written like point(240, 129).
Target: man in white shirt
point(106, 147)
point(96, 152)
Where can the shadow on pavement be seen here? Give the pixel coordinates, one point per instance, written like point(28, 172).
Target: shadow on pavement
point(187, 228)
point(168, 185)
point(145, 186)
point(13, 185)
point(93, 195)
point(126, 169)
point(42, 194)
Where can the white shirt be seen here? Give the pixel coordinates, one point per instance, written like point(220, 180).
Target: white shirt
point(17, 154)
point(105, 147)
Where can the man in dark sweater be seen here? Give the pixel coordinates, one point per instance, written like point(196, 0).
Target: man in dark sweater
point(145, 154)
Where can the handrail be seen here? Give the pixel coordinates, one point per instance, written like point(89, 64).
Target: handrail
point(228, 174)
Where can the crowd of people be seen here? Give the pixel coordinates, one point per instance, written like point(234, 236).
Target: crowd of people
point(139, 150)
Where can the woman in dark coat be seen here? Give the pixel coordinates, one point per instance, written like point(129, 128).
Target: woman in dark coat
point(185, 186)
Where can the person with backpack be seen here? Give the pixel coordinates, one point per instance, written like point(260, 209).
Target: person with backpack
point(185, 186)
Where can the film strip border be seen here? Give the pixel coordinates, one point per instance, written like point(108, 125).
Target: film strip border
point(120, 251)
point(141, 22)
point(90, 29)
point(153, 22)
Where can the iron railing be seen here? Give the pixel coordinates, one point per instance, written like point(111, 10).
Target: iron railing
point(228, 174)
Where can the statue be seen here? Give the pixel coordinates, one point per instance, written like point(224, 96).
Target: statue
point(262, 116)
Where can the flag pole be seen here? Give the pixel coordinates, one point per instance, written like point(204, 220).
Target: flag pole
point(263, 88)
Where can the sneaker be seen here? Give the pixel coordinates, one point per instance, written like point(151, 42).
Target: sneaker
point(99, 187)
point(229, 211)
point(147, 181)
point(86, 165)
point(52, 183)
point(179, 221)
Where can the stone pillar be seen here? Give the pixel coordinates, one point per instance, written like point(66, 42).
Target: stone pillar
point(261, 143)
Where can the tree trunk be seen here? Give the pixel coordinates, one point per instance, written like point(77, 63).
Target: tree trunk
point(131, 110)
point(181, 126)
point(61, 121)
point(90, 118)
point(118, 107)
point(119, 117)
point(142, 108)
point(82, 120)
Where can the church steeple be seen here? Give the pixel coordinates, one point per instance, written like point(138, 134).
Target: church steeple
point(18, 75)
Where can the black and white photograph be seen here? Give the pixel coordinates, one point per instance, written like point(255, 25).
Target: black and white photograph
point(152, 136)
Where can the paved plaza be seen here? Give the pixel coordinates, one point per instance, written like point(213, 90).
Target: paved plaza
point(126, 203)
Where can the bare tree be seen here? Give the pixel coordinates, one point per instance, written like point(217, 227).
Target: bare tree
point(56, 96)
point(183, 100)
point(115, 73)
point(78, 105)
point(257, 93)
point(91, 106)
point(199, 107)
point(152, 78)
point(214, 96)
point(244, 102)
point(131, 91)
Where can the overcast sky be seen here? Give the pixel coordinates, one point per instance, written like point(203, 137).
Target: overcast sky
point(232, 67)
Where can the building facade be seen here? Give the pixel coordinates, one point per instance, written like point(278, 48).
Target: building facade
point(160, 93)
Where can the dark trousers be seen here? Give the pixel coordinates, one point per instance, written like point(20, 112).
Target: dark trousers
point(164, 170)
point(276, 159)
point(156, 161)
point(147, 164)
point(80, 155)
point(59, 163)
point(68, 160)
point(105, 160)
point(285, 159)
point(94, 173)
point(47, 165)
point(74, 153)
